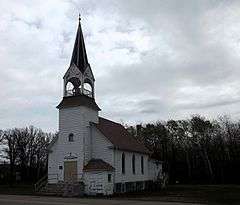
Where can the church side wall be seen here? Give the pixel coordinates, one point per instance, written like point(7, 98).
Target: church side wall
point(129, 176)
point(102, 148)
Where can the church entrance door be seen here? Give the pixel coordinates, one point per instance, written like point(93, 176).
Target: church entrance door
point(70, 171)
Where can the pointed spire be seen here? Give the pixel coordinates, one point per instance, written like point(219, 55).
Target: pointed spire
point(79, 55)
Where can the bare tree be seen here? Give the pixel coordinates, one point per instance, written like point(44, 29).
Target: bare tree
point(10, 141)
point(26, 148)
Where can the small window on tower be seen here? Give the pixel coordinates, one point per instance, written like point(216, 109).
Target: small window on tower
point(70, 137)
point(109, 178)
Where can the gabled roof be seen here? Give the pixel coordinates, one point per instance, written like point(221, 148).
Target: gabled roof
point(79, 55)
point(97, 165)
point(119, 136)
point(80, 100)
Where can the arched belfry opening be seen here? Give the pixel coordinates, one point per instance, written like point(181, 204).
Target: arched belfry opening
point(73, 87)
point(88, 88)
point(79, 79)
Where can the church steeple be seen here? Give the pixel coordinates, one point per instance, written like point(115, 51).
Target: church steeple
point(79, 79)
point(79, 54)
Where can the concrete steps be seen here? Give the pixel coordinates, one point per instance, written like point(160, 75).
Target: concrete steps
point(63, 189)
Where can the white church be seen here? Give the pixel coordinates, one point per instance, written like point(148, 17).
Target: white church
point(89, 149)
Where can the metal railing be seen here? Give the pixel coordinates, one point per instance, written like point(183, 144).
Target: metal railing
point(87, 92)
point(73, 93)
point(53, 177)
point(44, 180)
point(41, 183)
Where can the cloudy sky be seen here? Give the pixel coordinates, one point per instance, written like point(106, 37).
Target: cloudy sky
point(152, 59)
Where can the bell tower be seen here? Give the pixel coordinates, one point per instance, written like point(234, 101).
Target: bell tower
point(77, 111)
point(79, 79)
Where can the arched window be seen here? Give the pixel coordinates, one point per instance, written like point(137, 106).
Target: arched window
point(88, 90)
point(69, 89)
point(70, 137)
point(123, 163)
point(142, 165)
point(133, 164)
point(73, 87)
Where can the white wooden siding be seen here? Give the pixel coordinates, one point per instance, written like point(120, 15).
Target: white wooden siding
point(52, 164)
point(97, 182)
point(71, 120)
point(89, 143)
point(101, 147)
point(129, 176)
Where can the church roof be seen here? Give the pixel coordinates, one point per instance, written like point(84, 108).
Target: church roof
point(79, 100)
point(119, 136)
point(79, 55)
point(97, 165)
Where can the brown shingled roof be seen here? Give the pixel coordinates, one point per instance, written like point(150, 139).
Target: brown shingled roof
point(119, 136)
point(80, 100)
point(97, 165)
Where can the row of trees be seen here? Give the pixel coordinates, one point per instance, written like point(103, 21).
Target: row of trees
point(196, 150)
point(25, 150)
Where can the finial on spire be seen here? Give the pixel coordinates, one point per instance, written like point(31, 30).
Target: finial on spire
point(79, 17)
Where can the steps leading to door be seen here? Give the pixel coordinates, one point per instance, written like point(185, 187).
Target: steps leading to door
point(63, 189)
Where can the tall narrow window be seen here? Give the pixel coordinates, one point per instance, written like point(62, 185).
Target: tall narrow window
point(70, 137)
point(142, 165)
point(133, 164)
point(123, 163)
point(109, 178)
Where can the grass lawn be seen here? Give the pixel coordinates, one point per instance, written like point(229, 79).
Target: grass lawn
point(209, 194)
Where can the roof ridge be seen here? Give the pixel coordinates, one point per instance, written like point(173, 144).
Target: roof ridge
point(111, 121)
point(119, 136)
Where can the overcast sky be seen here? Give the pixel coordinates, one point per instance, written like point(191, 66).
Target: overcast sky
point(152, 59)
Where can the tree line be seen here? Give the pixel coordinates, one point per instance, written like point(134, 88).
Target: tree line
point(196, 150)
point(25, 152)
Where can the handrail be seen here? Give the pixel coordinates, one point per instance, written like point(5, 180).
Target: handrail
point(40, 183)
point(44, 180)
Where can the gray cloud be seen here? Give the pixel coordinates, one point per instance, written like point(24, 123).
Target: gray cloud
point(151, 59)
